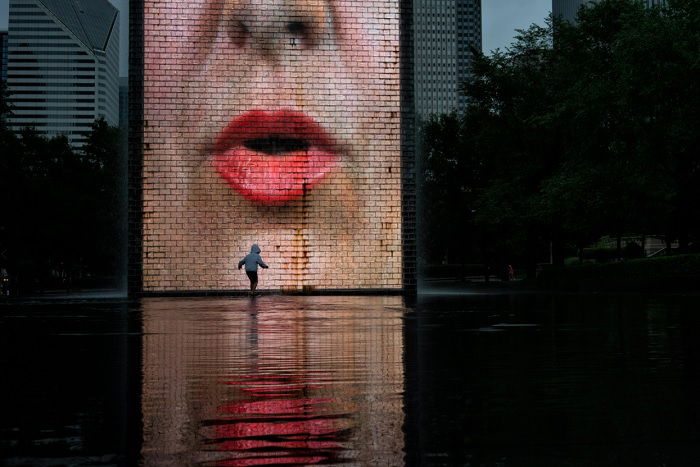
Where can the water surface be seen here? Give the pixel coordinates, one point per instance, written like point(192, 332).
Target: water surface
point(477, 380)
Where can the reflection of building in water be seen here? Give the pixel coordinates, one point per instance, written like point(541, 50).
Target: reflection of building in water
point(445, 33)
point(567, 9)
point(63, 65)
point(297, 380)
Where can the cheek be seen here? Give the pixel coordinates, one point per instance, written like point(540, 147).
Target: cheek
point(178, 34)
point(350, 23)
point(368, 38)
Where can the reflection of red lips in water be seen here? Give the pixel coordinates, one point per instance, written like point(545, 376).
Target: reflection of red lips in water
point(273, 157)
point(279, 432)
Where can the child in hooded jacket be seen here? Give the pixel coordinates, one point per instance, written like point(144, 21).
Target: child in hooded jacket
point(251, 261)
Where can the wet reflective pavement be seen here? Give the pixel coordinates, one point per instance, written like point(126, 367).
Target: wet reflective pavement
point(474, 380)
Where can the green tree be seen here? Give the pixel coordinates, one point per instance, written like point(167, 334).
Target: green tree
point(576, 131)
point(62, 205)
point(445, 188)
point(511, 97)
point(5, 105)
point(101, 154)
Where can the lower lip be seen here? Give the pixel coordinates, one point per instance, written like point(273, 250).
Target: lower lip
point(273, 179)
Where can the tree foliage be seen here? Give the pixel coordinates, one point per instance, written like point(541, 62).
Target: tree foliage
point(60, 205)
point(579, 130)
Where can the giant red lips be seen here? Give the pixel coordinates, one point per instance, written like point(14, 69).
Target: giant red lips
point(273, 157)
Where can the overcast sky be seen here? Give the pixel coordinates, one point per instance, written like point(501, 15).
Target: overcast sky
point(500, 19)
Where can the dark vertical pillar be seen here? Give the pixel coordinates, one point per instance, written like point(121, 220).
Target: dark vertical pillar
point(135, 167)
point(134, 437)
point(408, 161)
point(409, 240)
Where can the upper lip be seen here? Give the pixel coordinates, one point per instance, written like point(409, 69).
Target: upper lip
point(274, 133)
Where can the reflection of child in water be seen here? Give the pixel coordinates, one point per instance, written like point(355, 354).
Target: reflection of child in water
point(251, 261)
point(274, 120)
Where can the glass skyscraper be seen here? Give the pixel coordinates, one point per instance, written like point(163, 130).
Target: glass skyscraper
point(446, 32)
point(63, 65)
point(3, 56)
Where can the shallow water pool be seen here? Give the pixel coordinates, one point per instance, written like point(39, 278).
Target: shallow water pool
point(474, 380)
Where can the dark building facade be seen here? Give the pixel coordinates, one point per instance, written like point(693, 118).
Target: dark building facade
point(446, 32)
point(63, 65)
point(3, 56)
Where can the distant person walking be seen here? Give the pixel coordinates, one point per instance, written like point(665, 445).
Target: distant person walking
point(251, 261)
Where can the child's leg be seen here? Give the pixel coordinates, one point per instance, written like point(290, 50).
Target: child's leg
point(253, 276)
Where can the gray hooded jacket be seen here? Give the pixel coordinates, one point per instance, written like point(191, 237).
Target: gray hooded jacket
point(252, 259)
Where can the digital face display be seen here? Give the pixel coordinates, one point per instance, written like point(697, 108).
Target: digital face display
point(276, 123)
